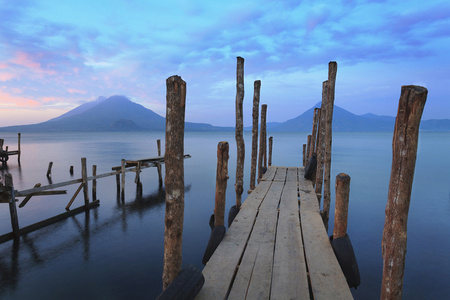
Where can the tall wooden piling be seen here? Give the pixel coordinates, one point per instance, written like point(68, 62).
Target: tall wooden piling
point(321, 141)
point(332, 70)
point(270, 150)
point(85, 182)
point(404, 151)
point(312, 145)
point(255, 116)
point(221, 183)
point(174, 178)
point(12, 206)
point(239, 186)
point(262, 140)
point(122, 192)
point(308, 147)
point(158, 165)
point(342, 186)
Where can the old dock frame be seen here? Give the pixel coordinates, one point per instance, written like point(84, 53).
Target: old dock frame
point(277, 247)
point(8, 194)
point(6, 153)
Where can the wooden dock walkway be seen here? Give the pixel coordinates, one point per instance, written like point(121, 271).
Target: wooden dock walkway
point(277, 246)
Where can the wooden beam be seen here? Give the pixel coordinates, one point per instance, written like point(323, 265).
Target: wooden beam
point(239, 132)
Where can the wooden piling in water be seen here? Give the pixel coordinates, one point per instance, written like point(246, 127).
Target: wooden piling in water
point(71, 170)
point(94, 183)
point(12, 206)
point(308, 147)
point(158, 166)
point(18, 148)
point(122, 191)
point(85, 182)
point(270, 150)
point(342, 186)
point(321, 141)
point(255, 116)
point(262, 141)
point(240, 157)
point(304, 154)
point(49, 169)
point(332, 70)
point(312, 145)
point(404, 151)
point(174, 178)
point(221, 183)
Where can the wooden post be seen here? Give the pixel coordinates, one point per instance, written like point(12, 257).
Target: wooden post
point(18, 147)
point(312, 146)
point(158, 166)
point(264, 130)
point(85, 182)
point(304, 154)
point(12, 206)
point(94, 183)
point(270, 150)
point(321, 141)
point(122, 192)
point(332, 70)
point(308, 147)
point(137, 179)
point(174, 179)
point(71, 170)
point(255, 116)
point(262, 140)
point(118, 183)
point(240, 157)
point(49, 170)
point(221, 183)
point(341, 209)
point(404, 151)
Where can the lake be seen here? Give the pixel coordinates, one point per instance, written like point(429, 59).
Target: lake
point(116, 250)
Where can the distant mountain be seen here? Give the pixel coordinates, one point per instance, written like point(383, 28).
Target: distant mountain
point(345, 121)
point(116, 113)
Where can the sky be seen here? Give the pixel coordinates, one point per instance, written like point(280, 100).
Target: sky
point(57, 55)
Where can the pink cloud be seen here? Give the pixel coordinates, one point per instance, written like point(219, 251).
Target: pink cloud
point(5, 76)
point(24, 59)
point(12, 101)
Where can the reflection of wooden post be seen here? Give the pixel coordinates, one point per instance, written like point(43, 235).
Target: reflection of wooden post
point(174, 179)
point(341, 209)
point(404, 151)
point(221, 183)
point(94, 183)
point(270, 150)
point(239, 186)
point(85, 182)
point(158, 165)
point(332, 70)
point(262, 140)
point(12, 206)
point(321, 140)
point(255, 115)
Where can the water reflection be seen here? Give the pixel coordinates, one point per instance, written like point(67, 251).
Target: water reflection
point(41, 247)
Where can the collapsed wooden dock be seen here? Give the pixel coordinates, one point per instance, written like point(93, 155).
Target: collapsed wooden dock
point(277, 246)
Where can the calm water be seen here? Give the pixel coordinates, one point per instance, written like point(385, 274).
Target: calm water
point(116, 251)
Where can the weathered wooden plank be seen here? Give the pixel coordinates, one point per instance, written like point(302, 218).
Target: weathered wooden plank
point(327, 279)
point(289, 277)
point(292, 174)
point(281, 174)
point(221, 268)
point(270, 174)
point(255, 271)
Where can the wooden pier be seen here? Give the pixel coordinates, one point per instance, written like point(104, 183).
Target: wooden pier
point(277, 246)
